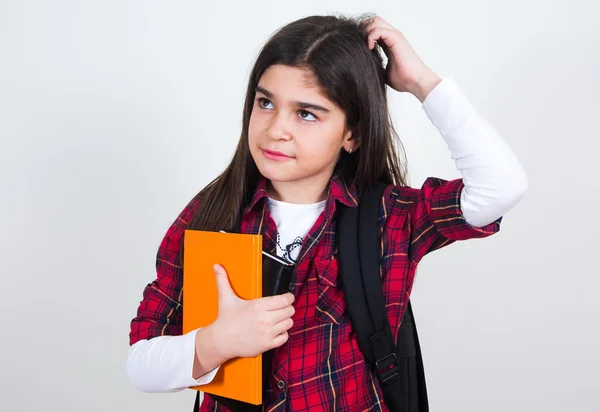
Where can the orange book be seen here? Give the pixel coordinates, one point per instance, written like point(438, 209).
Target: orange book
point(241, 256)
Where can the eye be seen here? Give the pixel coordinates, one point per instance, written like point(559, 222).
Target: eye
point(304, 115)
point(263, 103)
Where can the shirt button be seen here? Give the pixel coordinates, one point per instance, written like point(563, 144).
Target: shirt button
point(292, 287)
point(280, 384)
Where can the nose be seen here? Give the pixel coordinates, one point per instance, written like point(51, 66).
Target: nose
point(278, 129)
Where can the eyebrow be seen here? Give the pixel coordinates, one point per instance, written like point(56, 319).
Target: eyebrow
point(303, 105)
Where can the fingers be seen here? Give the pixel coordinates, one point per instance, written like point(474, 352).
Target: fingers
point(283, 326)
point(280, 340)
point(223, 286)
point(282, 314)
point(277, 302)
point(388, 36)
point(377, 21)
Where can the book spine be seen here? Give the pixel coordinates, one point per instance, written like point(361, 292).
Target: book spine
point(258, 389)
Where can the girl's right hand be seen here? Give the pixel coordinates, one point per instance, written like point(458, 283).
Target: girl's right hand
point(247, 328)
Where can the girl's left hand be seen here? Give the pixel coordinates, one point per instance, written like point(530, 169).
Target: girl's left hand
point(405, 71)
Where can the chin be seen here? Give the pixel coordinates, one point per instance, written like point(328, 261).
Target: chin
point(276, 174)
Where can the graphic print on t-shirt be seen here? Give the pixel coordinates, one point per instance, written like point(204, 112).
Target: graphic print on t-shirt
point(289, 251)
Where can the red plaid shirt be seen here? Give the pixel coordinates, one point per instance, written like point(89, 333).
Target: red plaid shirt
point(321, 366)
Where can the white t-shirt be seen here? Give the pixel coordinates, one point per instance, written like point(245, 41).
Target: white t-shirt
point(293, 222)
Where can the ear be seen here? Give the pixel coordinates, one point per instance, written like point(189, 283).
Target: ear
point(350, 142)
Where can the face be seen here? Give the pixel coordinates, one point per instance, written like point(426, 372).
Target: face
point(295, 132)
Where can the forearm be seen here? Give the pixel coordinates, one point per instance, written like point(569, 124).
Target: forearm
point(165, 364)
point(494, 178)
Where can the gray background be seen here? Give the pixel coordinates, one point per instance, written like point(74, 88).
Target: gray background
point(113, 114)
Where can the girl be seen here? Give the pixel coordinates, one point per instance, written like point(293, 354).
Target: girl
point(316, 132)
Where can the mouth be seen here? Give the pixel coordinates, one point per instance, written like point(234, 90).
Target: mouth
point(275, 155)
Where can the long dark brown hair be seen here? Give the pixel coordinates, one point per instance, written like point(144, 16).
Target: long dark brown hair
point(334, 49)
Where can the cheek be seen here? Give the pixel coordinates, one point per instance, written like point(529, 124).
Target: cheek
point(320, 146)
point(254, 134)
point(257, 126)
point(252, 129)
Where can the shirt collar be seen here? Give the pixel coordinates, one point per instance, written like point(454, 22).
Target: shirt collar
point(338, 190)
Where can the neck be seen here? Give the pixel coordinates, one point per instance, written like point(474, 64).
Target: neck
point(298, 192)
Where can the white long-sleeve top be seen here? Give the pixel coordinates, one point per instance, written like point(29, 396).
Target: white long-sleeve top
point(494, 181)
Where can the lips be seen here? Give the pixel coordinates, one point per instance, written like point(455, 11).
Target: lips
point(275, 155)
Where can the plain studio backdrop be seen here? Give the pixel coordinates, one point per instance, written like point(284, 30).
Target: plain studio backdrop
point(114, 114)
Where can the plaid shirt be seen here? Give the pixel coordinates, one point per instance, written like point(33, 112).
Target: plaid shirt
point(321, 366)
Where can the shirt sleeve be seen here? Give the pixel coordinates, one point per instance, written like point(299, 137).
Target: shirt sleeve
point(431, 217)
point(160, 358)
point(160, 311)
point(444, 211)
point(165, 364)
point(494, 179)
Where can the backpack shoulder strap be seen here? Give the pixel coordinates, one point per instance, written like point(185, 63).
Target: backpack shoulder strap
point(358, 239)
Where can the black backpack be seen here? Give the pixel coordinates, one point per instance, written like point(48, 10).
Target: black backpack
point(398, 367)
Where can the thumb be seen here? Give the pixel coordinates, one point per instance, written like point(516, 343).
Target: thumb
point(226, 294)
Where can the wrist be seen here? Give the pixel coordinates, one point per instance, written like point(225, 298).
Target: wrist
point(208, 350)
point(424, 85)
